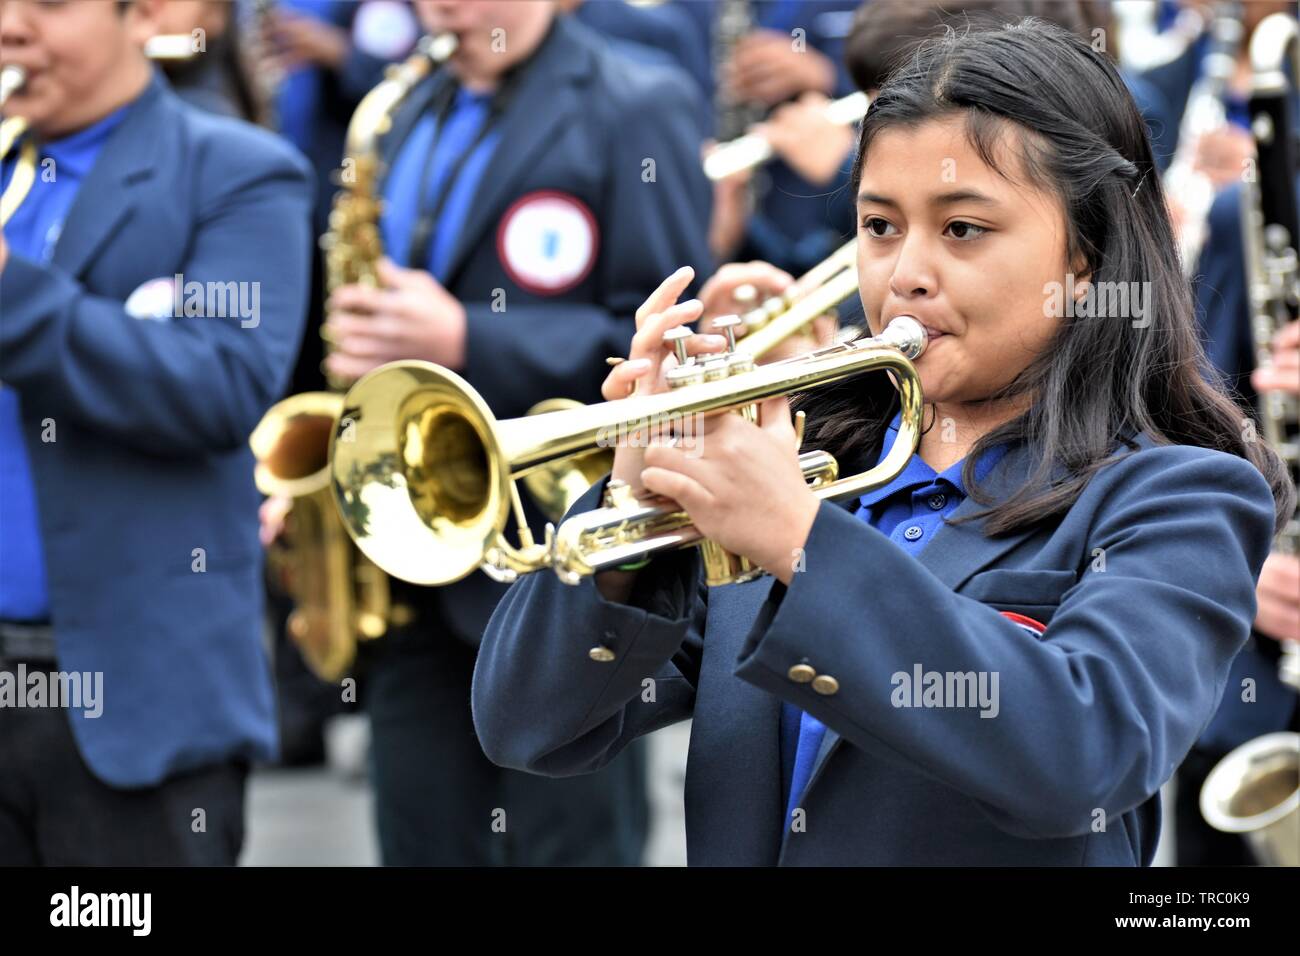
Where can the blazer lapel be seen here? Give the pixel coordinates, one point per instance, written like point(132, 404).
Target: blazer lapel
point(108, 195)
point(545, 99)
point(954, 555)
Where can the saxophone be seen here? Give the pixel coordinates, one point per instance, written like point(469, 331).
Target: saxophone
point(12, 128)
point(1255, 789)
point(339, 596)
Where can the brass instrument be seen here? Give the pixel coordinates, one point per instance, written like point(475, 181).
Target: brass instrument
point(1205, 112)
point(170, 46)
point(427, 481)
point(1255, 789)
point(818, 291)
point(751, 150)
point(338, 595)
point(555, 487)
point(12, 78)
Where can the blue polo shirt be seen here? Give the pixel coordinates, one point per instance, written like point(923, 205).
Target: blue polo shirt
point(33, 233)
point(910, 510)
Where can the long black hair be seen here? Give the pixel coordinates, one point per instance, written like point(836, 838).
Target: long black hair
point(1101, 380)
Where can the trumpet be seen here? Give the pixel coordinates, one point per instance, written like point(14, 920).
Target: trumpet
point(752, 150)
point(12, 78)
point(425, 477)
point(818, 291)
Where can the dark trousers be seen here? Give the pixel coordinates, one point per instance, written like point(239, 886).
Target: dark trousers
point(441, 802)
point(55, 812)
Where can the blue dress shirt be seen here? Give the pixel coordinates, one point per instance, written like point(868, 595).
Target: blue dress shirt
point(33, 232)
point(405, 195)
point(910, 510)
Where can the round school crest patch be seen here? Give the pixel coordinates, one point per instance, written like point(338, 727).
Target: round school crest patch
point(547, 242)
point(155, 299)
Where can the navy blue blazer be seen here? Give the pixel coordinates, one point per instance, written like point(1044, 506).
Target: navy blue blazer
point(1094, 714)
point(581, 124)
point(152, 418)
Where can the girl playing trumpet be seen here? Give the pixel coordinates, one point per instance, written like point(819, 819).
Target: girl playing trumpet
point(1001, 655)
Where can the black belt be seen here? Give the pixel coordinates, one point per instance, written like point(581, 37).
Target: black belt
point(27, 642)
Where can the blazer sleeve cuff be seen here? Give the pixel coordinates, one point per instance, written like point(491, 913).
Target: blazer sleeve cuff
point(780, 637)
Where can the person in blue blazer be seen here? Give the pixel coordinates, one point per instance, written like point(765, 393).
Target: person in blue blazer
point(1224, 317)
point(999, 656)
point(152, 294)
point(535, 194)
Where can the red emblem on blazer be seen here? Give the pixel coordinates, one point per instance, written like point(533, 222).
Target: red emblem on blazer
point(547, 242)
point(1036, 628)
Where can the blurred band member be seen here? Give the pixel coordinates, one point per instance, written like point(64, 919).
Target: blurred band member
point(1223, 309)
point(152, 294)
point(214, 76)
point(538, 187)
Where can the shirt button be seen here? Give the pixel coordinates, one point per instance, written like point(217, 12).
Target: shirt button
point(913, 533)
point(937, 501)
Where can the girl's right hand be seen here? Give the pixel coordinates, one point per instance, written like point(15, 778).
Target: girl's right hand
point(649, 359)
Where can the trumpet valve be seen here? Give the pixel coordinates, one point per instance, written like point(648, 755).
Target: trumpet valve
point(683, 375)
point(739, 363)
point(715, 368)
point(678, 337)
point(728, 324)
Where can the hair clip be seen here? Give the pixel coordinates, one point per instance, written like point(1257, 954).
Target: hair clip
point(1138, 188)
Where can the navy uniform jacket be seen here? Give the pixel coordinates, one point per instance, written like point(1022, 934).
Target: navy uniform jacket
point(150, 459)
point(1094, 714)
point(582, 123)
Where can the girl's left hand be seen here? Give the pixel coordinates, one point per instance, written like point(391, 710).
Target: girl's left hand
point(742, 485)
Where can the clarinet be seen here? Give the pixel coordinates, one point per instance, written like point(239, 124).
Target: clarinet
point(732, 117)
point(1271, 227)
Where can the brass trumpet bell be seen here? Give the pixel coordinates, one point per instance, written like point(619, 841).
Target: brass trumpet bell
point(419, 472)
